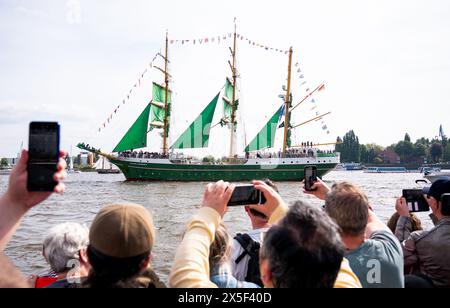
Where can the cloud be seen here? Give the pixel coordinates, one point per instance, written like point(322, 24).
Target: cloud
point(73, 12)
point(30, 12)
point(16, 112)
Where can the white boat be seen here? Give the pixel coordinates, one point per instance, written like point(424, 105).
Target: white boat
point(386, 170)
point(103, 166)
point(434, 176)
point(70, 168)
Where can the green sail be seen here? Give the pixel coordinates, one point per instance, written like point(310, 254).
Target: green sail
point(197, 134)
point(157, 110)
point(266, 137)
point(227, 105)
point(136, 136)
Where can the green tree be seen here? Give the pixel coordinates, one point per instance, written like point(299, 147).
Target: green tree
point(447, 153)
point(436, 152)
point(425, 142)
point(407, 138)
point(364, 153)
point(420, 150)
point(350, 150)
point(369, 152)
point(4, 162)
point(405, 150)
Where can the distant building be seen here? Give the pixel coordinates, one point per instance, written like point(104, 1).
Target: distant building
point(390, 157)
point(82, 159)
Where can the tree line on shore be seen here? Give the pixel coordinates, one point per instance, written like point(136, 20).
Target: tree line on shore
point(423, 150)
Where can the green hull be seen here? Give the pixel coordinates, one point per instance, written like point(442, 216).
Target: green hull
point(135, 171)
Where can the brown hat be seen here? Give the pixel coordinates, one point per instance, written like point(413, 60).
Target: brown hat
point(122, 231)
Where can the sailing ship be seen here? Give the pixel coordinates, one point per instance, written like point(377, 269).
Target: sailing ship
point(286, 165)
point(103, 166)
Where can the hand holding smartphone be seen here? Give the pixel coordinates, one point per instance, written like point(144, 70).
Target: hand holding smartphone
point(43, 148)
point(310, 177)
point(415, 200)
point(246, 195)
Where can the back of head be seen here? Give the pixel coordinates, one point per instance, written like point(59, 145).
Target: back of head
point(121, 239)
point(220, 250)
point(348, 206)
point(416, 224)
point(437, 190)
point(304, 250)
point(62, 244)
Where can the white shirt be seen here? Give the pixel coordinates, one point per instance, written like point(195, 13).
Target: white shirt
point(240, 270)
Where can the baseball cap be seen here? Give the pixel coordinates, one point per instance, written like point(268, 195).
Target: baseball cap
point(439, 187)
point(122, 231)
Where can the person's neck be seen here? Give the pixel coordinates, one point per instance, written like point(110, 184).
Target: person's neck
point(257, 226)
point(353, 242)
point(83, 272)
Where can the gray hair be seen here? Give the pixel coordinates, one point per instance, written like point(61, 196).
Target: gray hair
point(63, 243)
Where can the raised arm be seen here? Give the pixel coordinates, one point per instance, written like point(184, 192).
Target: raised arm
point(191, 265)
point(17, 200)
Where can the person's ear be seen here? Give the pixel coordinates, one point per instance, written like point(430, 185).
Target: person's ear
point(83, 256)
point(433, 203)
point(146, 262)
point(266, 274)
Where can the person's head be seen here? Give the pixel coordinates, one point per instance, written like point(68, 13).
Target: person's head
point(304, 250)
point(348, 206)
point(65, 246)
point(121, 241)
point(434, 194)
point(416, 223)
point(220, 249)
point(258, 219)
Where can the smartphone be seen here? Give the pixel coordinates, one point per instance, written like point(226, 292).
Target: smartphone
point(416, 201)
point(310, 177)
point(445, 201)
point(246, 195)
point(43, 152)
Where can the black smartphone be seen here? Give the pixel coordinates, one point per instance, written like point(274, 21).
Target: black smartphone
point(416, 200)
point(445, 201)
point(246, 195)
point(43, 152)
point(310, 177)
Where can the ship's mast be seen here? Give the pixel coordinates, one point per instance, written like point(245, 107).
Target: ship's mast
point(166, 105)
point(233, 102)
point(287, 102)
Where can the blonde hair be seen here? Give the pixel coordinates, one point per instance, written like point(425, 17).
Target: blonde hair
point(349, 207)
point(220, 249)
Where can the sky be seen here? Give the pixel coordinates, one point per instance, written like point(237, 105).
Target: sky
point(385, 65)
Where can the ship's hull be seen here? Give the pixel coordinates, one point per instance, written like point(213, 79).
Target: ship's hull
point(274, 169)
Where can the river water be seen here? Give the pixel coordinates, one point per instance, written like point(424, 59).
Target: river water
point(171, 204)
